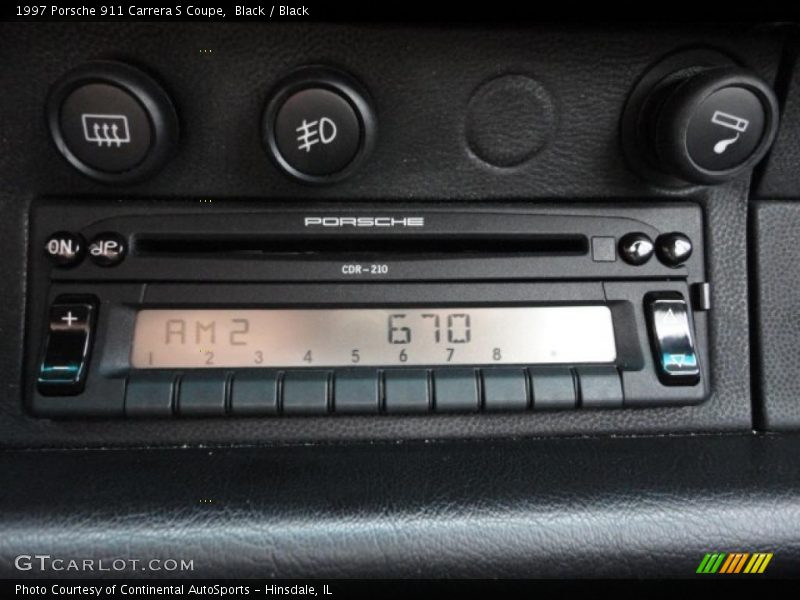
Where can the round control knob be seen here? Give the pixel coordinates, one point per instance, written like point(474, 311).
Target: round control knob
point(319, 125)
point(712, 126)
point(112, 122)
point(636, 248)
point(673, 249)
point(699, 124)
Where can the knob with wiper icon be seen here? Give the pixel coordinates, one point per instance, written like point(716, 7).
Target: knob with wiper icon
point(701, 125)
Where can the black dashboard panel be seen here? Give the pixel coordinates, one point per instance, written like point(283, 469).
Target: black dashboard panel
point(422, 112)
point(775, 223)
point(422, 97)
point(629, 508)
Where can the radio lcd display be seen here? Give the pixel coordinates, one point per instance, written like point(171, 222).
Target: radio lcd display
point(176, 338)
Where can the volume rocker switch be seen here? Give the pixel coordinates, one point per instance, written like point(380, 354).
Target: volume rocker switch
point(672, 339)
point(62, 371)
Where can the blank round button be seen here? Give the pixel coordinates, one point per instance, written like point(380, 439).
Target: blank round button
point(636, 248)
point(509, 120)
point(673, 249)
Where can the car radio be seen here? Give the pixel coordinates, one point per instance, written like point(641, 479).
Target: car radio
point(170, 308)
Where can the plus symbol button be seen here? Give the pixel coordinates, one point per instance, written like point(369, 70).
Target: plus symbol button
point(69, 318)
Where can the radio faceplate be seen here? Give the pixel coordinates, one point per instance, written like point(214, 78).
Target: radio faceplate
point(334, 279)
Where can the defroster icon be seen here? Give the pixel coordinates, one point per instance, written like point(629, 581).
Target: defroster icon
point(108, 130)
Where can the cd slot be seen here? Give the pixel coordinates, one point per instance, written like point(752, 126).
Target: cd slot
point(385, 245)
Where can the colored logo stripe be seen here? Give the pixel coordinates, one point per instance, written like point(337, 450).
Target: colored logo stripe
point(758, 563)
point(711, 563)
point(734, 562)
